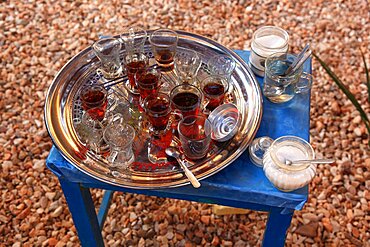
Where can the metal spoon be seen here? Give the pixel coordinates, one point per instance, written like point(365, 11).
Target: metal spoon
point(299, 60)
point(314, 161)
point(173, 152)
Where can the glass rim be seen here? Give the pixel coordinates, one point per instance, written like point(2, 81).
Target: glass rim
point(275, 56)
point(222, 81)
point(85, 89)
point(276, 144)
point(136, 30)
point(196, 117)
point(99, 42)
point(275, 28)
point(153, 96)
point(216, 58)
point(163, 30)
point(172, 95)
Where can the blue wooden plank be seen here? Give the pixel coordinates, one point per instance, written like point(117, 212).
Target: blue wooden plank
point(83, 213)
point(104, 207)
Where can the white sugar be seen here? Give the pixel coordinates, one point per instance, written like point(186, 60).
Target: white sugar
point(271, 41)
point(291, 153)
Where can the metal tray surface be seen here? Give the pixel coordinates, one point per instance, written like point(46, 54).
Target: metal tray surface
point(62, 108)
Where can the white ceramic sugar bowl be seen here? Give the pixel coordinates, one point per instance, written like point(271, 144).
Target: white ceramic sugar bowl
point(289, 177)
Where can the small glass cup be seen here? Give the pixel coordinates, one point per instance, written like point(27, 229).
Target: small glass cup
point(134, 39)
point(91, 133)
point(158, 110)
point(187, 64)
point(221, 65)
point(148, 82)
point(119, 137)
point(107, 50)
point(135, 63)
point(280, 88)
point(214, 88)
point(94, 97)
point(195, 136)
point(187, 99)
point(164, 44)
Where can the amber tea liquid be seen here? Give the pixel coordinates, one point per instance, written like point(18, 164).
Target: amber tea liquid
point(215, 93)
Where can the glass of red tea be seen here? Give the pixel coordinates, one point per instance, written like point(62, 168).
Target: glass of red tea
point(135, 63)
point(164, 44)
point(148, 82)
point(195, 136)
point(158, 110)
point(94, 100)
point(187, 99)
point(214, 88)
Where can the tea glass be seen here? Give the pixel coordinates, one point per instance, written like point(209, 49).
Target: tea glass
point(187, 99)
point(187, 64)
point(221, 65)
point(119, 137)
point(164, 44)
point(91, 133)
point(195, 136)
point(148, 82)
point(107, 50)
point(135, 63)
point(214, 88)
point(158, 110)
point(280, 88)
point(94, 97)
point(134, 39)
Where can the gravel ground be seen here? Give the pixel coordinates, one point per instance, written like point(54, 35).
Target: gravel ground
point(38, 37)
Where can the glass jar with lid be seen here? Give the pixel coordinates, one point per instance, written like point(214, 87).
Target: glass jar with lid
point(266, 41)
point(283, 176)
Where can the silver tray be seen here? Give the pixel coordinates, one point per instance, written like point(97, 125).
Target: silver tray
point(62, 108)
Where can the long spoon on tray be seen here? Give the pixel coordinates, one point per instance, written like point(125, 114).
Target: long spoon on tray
point(173, 152)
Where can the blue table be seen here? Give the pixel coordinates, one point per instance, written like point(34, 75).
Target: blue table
point(241, 184)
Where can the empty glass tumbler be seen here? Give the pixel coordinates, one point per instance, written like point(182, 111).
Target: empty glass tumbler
point(107, 50)
point(119, 137)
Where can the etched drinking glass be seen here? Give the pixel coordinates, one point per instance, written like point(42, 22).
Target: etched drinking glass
point(119, 137)
point(195, 136)
point(91, 133)
point(187, 64)
point(222, 65)
point(135, 63)
point(187, 99)
point(134, 39)
point(148, 82)
point(214, 88)
point(94, 100)
point(164, 44)
point(107, 50)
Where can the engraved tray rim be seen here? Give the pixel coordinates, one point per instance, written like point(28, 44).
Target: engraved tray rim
point(59, 128)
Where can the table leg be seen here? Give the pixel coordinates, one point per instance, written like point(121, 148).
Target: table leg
point(83, 213)
point(277, 226)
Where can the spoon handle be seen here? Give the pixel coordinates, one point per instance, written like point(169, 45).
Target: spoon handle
point(315, 161)
point(193, 180)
